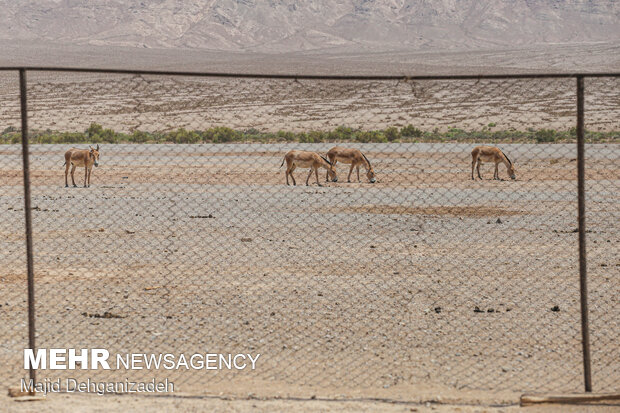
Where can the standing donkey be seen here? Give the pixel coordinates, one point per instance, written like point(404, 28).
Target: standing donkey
point(490, 154)
point(81, 157)
point(354, 157)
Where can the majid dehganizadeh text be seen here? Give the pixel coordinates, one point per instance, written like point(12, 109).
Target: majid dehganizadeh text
point(99, 359)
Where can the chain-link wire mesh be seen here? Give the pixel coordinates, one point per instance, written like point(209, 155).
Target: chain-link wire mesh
point(189, 240)
point(13, 286)
point(603, 232)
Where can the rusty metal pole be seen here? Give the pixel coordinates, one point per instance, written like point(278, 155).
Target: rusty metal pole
point(28, 213)
point(581, 201)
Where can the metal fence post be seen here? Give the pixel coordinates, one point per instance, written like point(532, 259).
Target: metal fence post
point(28, 213)
point(581, 201)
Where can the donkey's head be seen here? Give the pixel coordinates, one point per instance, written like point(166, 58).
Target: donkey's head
point(510, 167)
point(370, 172)
point(331, 170)
point(94, 154)
point(511, 172)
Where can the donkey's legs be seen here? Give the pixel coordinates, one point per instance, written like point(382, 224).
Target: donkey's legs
point(67, 174)
point(290, 172)
point(73, 174)
point(316, 171)
point(474, 162)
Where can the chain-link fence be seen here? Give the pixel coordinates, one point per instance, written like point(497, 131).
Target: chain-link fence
point(189, 240)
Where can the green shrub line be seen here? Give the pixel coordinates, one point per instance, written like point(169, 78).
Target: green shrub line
point(98, 134)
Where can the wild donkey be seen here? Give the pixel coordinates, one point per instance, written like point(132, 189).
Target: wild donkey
point(354, 157)
point(490, 154)
point(307, 159)
point(81, 157)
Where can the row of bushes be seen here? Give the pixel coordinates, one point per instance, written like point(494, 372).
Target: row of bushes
point(97, 134)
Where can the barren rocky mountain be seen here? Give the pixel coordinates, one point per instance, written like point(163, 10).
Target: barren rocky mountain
point(292, 25)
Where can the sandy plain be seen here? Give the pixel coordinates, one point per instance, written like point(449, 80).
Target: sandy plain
point(424, 283)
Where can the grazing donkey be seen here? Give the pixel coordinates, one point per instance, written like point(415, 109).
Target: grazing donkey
point(81, 157)
point(354, 157)
point(490, 154)
point(307, 159)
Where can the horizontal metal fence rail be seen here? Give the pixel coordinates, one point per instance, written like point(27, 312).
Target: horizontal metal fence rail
point(313, 77)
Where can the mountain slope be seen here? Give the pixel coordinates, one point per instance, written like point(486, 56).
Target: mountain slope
point(289, 25)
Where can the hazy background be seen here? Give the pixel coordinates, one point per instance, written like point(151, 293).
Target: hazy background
point(319, 36)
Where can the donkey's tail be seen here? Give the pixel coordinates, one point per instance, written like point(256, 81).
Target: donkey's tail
point(64, 163)
point(283, 162)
